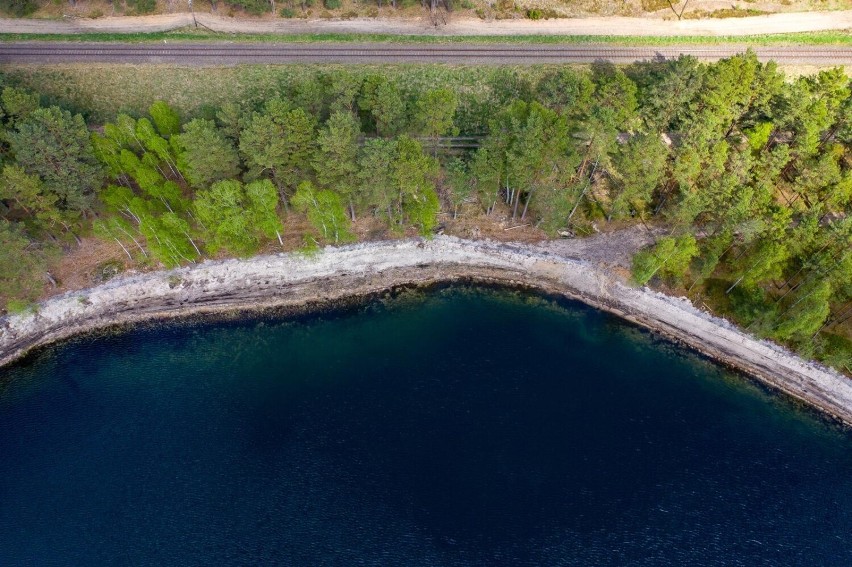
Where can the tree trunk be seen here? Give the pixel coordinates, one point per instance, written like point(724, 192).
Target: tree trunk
point(136, 242)
point(129, 257)
point(191, 241)
point(517, 201)
point(527, 204)
point(735, 284)
point(831, 320)
point(583, 192)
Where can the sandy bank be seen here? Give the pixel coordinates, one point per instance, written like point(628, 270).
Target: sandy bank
point(336, 273)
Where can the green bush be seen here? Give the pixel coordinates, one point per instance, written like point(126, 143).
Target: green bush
point(751, 306)
point(331, 4)
point(654, 5)
point(105, 271)
point(534, 14)
point(20, 306)
point(287, 13)
point(142, 6)
point(836, 351)
point(255, 7)
point(18, 8)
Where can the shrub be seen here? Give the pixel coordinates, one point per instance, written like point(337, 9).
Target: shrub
point(18, 8)
point(733, 12)
point(836, 351)
point(105, 271)
point(142, 6)
point(331, 4)
point(255, 7)
point(20, 306)
point(752, 306)
point(654, 5)
point(287, 12)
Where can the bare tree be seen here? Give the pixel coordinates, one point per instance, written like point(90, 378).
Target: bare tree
point(682, 10)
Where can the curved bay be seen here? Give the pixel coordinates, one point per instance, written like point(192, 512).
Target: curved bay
point(458, 427)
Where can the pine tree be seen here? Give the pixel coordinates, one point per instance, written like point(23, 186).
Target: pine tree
point(204, 155)
point(336, 159)
point(55, 146)
point(279, 141)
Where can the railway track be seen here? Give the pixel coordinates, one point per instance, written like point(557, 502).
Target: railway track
point(272, 53)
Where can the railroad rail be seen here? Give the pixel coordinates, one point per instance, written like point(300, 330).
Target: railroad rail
point(223, 53)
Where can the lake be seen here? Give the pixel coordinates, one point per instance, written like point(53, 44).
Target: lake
point(459, 426)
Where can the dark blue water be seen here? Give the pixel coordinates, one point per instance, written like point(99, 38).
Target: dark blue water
point(457, 428)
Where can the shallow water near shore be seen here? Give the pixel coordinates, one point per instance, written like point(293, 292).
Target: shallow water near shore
point(458, 427)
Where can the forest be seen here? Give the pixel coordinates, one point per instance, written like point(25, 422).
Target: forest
point(744, 174)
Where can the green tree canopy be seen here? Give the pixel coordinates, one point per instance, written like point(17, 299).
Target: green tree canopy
point(18, 104)
point(22, 263)
point(165, 117)
point(336, 159)
point(382, 100)
point(671, 256)
point(433, 115)
point(235, 217)
point(262, 207)
point(204, 154)
point(566, 91)
point(398, 181)
point(279, 141)
point(28, 200)
point(325, 212)
point(54, 145)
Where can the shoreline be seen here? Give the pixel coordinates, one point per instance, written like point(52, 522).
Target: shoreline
point(335, 274)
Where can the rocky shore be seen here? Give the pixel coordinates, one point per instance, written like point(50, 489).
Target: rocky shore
point(334, 274)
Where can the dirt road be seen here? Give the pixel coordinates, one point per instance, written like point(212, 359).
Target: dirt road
point(621, 26)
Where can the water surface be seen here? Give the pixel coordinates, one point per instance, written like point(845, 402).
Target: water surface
point(461, 427)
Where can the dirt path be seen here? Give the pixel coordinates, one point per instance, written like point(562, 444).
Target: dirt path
point(298, 282)
point(622, 26)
